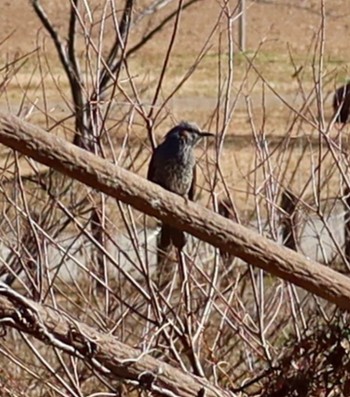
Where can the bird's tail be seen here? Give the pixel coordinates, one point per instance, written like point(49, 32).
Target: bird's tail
point(168, 237)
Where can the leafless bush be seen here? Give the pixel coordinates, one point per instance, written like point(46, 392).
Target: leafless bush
point(76, 250)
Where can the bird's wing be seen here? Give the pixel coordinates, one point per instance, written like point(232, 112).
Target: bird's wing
point(192, 190)
point(150, 173)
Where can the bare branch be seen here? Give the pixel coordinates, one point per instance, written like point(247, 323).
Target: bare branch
point(71, 67)
point(113, 61)
point(157, 29)
point(166, 59)
point(147, 38)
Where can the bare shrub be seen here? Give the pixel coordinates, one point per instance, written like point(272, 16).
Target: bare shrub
point(85, 255)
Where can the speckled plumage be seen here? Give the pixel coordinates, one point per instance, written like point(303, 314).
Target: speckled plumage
point(173, 166)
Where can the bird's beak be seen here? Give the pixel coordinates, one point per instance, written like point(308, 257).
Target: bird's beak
point(206, 134)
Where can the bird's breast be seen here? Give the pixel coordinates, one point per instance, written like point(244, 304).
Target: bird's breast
point(175, 175)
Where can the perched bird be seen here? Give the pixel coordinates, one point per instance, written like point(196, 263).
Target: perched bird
point(173, 166)
point(341, 103)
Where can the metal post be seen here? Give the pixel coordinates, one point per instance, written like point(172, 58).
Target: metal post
point(242, 25)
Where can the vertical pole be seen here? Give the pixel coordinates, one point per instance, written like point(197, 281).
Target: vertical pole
point(242, 25)
point(288, 204)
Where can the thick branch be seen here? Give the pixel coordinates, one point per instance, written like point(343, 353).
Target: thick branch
point(102, 352)
point(190, 217)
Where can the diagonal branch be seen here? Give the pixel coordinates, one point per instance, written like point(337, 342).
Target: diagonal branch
point(101, 352)
point(146, 38)
point(151, 199)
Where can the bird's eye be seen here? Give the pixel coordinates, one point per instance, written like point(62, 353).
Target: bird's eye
point(183, 135)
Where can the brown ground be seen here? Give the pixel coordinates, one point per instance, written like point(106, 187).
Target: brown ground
point(280, 23)
point(280, 29)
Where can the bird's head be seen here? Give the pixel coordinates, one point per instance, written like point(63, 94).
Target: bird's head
point(188, 133)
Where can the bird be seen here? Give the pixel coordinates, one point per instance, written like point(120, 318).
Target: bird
point(341, 104)
point(173, 167)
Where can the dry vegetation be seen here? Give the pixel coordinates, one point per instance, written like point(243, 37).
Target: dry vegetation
point(80, 252)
